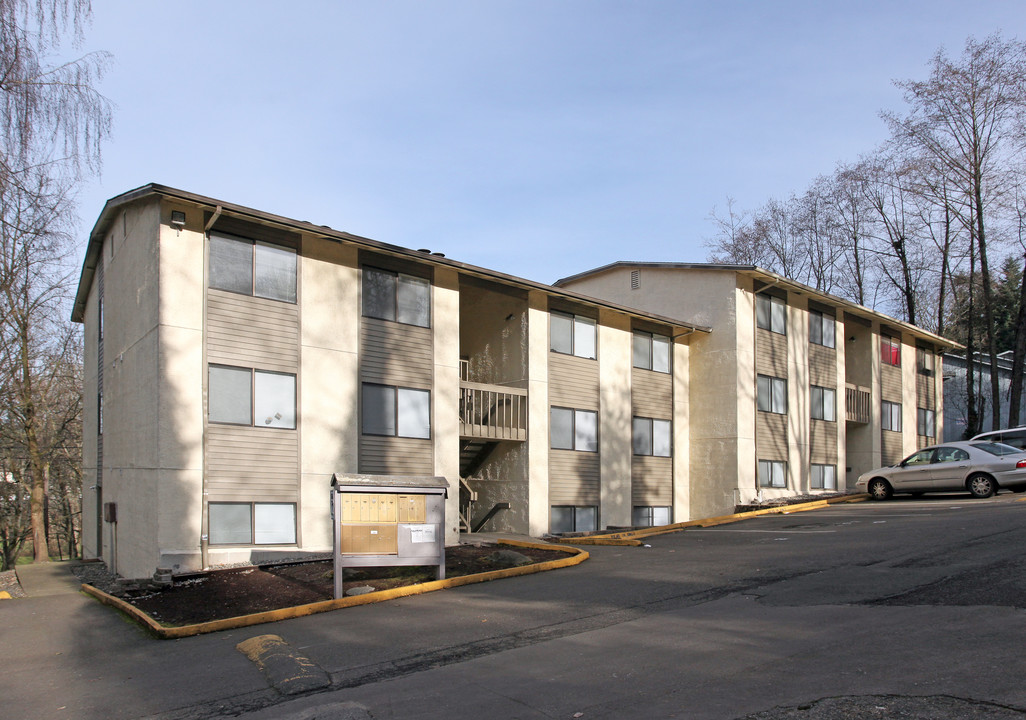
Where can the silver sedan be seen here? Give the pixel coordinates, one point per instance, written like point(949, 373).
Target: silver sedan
point(979, 467)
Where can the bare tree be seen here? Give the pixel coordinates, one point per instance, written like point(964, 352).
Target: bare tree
point(52, 125)
point(967, 117)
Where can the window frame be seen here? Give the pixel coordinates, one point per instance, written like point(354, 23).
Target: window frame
point(818, 323)
point(651, 447)
point(822, 467)
point(926, 361)
point(397, 392)
point(253, 276)
point(818, 403)
point(771, 467)
point(924, 417)
point(772, 305)
point(890, 350)
point(574, 412)
point(651, 339)
point(400, 281)
point(253, 523)
point(890, 410)
point(651, 513)
point(576, 321)
point(253, 372)
point(575, 521)
point(777, 389)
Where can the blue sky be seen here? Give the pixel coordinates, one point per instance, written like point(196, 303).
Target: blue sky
point(537, 138)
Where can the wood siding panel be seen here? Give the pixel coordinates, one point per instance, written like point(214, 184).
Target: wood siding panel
point(252, 332)
point(651, 394)
point(823, 442)
point(925, 397)
point(573, 478)
point(822, 366)
point(247, 463)
point(395, 354)
point(891, 447)
point(651, 481)
point(396, 455)
point(573, 382)
point(771, 436)
point(770, 353)
point(890, 383)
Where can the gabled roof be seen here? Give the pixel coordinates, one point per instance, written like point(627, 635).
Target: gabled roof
point(772, 278)
point(153, 190)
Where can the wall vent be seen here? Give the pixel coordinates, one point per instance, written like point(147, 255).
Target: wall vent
point(635, 279)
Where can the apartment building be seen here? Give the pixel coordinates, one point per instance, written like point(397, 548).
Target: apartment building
point(235, 360)
point(795, 391)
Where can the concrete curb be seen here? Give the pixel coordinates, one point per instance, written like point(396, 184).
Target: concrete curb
point(631, 537)
point(576, 557)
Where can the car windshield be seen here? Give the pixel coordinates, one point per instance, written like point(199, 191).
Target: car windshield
point(996, 448)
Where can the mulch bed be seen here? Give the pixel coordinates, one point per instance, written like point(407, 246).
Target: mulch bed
point(241, 591)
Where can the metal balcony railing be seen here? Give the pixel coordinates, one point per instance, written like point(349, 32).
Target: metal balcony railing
point(494, 412)
point(857, 401)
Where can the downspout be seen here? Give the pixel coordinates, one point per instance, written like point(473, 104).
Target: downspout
point(204, 507)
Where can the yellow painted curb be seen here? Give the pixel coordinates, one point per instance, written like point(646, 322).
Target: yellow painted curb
point(576, 557)
point(619, 538)
point(4, 595)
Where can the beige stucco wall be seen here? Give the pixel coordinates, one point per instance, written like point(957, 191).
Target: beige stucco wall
point(681, 423)
point(445, 393)
point(90, 549)
point(179, 408)
point(615, 429)
point(538, 411)
point(131, 390)
point(909, 402)
point(328, 381)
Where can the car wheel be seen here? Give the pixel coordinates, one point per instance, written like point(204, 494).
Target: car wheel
point(879, 489)
point(980, 486)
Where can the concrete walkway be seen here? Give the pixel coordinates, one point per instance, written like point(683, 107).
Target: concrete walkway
point(51, 578)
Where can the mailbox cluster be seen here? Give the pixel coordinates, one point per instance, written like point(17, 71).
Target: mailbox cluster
point(385, 520)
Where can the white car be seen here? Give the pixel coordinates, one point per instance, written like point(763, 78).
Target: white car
point(981, 468)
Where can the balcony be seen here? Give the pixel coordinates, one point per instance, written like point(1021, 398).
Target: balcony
point(492, 412)
point(857, 404)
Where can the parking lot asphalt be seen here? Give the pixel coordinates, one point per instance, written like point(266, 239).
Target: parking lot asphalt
point(914, 600)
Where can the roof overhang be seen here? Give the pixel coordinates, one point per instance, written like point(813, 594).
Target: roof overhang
point(115, 204)
point(771, 278)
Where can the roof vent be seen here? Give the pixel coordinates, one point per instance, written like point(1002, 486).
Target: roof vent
point(438, 254)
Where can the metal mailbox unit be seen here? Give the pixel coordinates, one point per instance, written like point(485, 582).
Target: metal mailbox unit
point(387, 520)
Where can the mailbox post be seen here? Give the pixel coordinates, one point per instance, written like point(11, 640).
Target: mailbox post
point(387, 520)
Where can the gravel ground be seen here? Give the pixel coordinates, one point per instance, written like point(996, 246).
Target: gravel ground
point(97, 575)
point(9, 583)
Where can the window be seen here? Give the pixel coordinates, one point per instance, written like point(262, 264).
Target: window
point(772, 473)
point(574, 429)
point(890, 416)
point(924, 361)
point(572, 335)
point(396, 411)
point(821, 329)
point(644, 516)
point(824, 402)
point(652, 437)
point(241, 396)
point(890, 350)
point(252, 268)
point(652, 352)
point(824, 477)
point(397, 297)
point(252, 523)
point(772, 394)
point(925, 422)
point(573, 518)
point(771, 314)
